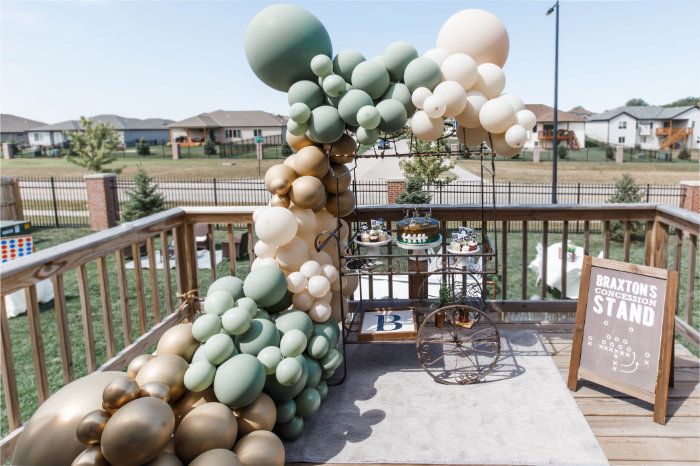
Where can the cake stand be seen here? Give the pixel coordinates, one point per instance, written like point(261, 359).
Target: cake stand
point(373, 247)
point(420, 248)
point(465, 259)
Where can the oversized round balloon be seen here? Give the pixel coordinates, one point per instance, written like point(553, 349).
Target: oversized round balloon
point(477, 33)
point(280, 43)
point(277, 226)
point(239, 381)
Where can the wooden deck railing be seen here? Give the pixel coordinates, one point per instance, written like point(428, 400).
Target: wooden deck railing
point(151, 298)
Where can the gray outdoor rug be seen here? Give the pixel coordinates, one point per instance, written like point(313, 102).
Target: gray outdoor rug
point(390, 411)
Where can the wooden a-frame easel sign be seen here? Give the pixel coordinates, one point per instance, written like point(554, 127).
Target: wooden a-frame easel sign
point(623, 336)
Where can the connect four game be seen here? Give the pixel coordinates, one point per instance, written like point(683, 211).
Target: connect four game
point(15, 240)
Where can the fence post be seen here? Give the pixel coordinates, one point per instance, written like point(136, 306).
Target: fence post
point(216, 198)
point(648, 189)
point(54, 201)
point(509, 189)
point(102, 200)
point(176, 151)
point(578, 193)
point(690, 195)
point(619, 154)
point(10, 199)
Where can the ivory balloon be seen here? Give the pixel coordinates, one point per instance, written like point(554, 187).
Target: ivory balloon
point(318, 286)
point(260, 448)
point(310, 161)
point(262, 249)
point(514, 101)
point(296, 282)
point(426, 128)
point(91, 457)
point(343, 150)
point(437, 55)
point(419, 95)
point(320, 311)
point(341, 204)
point(257, 212)
point(168, 369)
point(461, 68)
point(217, 457)
point(306, 219)
point(434, 106)
point(338, 179)
point(138, 431)
point(261, 261)
point(90, 428)
point(472, 137)
point(516, 136)
point(276, 225)
point(452, 93)
point(500, 147)
point(292, 255)
point(206, 427)
point(310, 269)
point(526, 119)
point(302, 300)
point(298, 142)
point(490, 80)
point(307, 192)
point(137, 363)
point(330, 272)
point(119, 392)
point(477, 33)
point(278, 178)
point(325, 221)
point(261, 414)
point(469, 118)
point(496, 116)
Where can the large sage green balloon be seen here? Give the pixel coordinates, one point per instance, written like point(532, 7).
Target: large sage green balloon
point(286, 411)
point(261, 333)
point(270, 357)
point(351, 103)
point(334, 85)
point(367, 137)
point(236, 321)
point(205, 326)
point(325, 125)
point(345, 62)
point(282, 305)
point(397, 56)
point(249, 305)
point(300, 113)
point(305, 92)
point(422, 72)
point(322, 388)
point(294, 319)
point(293, 343)
point(308, 402)
point(239, 381)
point(315, 372)
point(368, 117)
point(219, 348)
point(199, 376)
point(289, 371)
point(318, 346)
point(321, 65)
point(297, 129)
point(393, 115)
point(281, 392)
point(280, 42)
point(218, 302)
point(371, 77)
point(400, 92)
point(290, 430)
point(266, 285)
point(233, 285)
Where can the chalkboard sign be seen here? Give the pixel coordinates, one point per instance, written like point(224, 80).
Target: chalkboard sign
point(623, 338)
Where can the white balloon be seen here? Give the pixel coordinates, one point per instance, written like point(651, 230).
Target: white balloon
point(310, 269)
point(262, 249)
point(472, 137)
point(478, 33)
point(258, 211)
point(496, 116)
point(330, 272)
point(306, 219)
point(526, 119)
point(500, 147)
point(325, 298)
point(296, 282)
point(434, 106)
point(437, 55)
point(302, 300)
point(469, 118)
point(516, 136)
point(322, 257)
point(419, 95)
point(276, 226)
point(325, 221)
point(454, 96)
point(263, 261)
point(320, 312)
point(293, 254)
point(515, 101)
point(426, 128)
point(318, 286)
point(461, 68)
point(490, 80)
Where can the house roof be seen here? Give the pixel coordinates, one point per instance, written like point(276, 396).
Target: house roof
point(582, 112)
point(118, 122)
point(231, 118)
point(643, 113)
point(545, 114)
point(16, 124)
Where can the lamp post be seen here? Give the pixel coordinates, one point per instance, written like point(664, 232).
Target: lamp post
point(556, 98)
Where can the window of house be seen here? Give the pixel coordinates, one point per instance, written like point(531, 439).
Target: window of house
point(621, 140)
point(644, 139)
point(37, 136)
point(622, 124)
point(232, 133)
point(257, 132)
point(537, 143)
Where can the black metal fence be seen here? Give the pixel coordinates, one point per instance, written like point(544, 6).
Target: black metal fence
point(599, 154)
point(54, 202)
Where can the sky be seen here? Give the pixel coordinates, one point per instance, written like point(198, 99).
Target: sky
point(175, 59)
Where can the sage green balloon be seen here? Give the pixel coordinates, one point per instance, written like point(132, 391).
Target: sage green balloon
point(297, 129)
point(281, 392)
point(400, 92)
point(280, 42)
point(393, 115)
point(345, 62)
point(367, 137)
point(318, 346)
point(305, 92)
point(219, 348)
point(371, 77)
point(266, 285)
point(308, 402)
point(283, 304)
point(239, 381)
point(290, 430)
point(286, 411)
point(321, 65)
point(294, 319)
point(218, 302)
point(199, 354)
point(249, 305)
point(329, 329)
point(331, 360)
point(261, 314)
point(288, 371)
point(422, 72)
point(368, 117)
point(396, 57)
point(334, 85)
point(322, 388)
point(300, 113)
point(350, 104)
point(199, 376)
point(270, 357)
point(325, 125)
point(315, 372)
point(293, 343)
point(205, 326)
point(236, 321)
point(261, 333)
point(233, 285)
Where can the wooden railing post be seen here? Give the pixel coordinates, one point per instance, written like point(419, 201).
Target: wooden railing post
point(186, 258)
point(659, 254)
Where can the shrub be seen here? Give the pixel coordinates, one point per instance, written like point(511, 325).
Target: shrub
point(590, 142)
point(92, 147)
point(562, 151)
point(143, 198)
point(626, 192)
point(209, 147)
point(684, 154)
point(142, 148)
point(413, 193)
point(609, 153)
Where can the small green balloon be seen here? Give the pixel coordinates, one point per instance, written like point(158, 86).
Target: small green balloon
point(281, 392)
point(351, 103)
point(397, 56)
point(315, 372)
point(286, 411)
point(322, 388)
point(345, 62)
point(236, 321)
point(325, 126)
point(206, 326)
point(331, 360)
point(239, 381)
point(199, 376)
point(399, 91)
point(308, 402)
point(199, 354)
point(219, 348)
point(367, 137)
point(299, 113)
point(368, 117)
point(371, 77)
point(261, 333)
point(249, 305)
point(321, 65)
point(306, 92)
point(327, 374)
point(422, 72)
point(289, 371)
point(267, 285)
point(297, 129)
point(261, 314)
point(294, 319)
point(218, 302)
point(393, 115)
point(233, 285)
point(318, 346)
point(333, 85)
point(290, 430)
point(270, 357)
point(329, 329)
point(293, 343)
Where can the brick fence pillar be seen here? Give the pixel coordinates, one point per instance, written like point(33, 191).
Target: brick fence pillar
point(103, 207)
point(536, 155)
point(393, 189)
point(619, 154)
point(690, 195)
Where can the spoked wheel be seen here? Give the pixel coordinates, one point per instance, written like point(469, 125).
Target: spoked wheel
point(458, 345)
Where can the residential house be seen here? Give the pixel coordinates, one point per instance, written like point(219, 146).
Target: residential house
point(648, 127)
point(581, 112)
point(14, 128)
point(228, 126)
point(130, 130)
point(571, 128)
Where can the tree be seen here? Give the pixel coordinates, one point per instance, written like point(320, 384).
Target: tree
point(413, 193)
point(92, 147)
point(209, 147)
point(684, 101)
point(144, 200)
point(432, 169)
point(637, 102)
point(626, 192)
point(142, 148)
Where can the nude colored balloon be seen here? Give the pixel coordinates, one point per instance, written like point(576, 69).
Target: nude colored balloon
point(496, 116)
point(461, 68)
point(500, 147)
point(306, 220)
point(472, 137)
point(298, 142)
point(292, 255)
point(434, 107)
point(526, 119)
point(454, 96)
point(302, 300)
point(310, 269)
point(419, 95)
point(490, 80)
point(330, 272)
point(469, 118)
point(310, 161)
point(320, 311)
point(318, 286)
point(262, 249)
point(516, 136)
point(278, 178)
point(307, 192)
point(325, 221)
point(437, 55)
point(426, 128)
point(296, 282)
point(276, 225)
point(514, 101)
point(477, 33)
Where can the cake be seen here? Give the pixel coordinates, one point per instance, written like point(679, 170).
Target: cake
point(418, 230)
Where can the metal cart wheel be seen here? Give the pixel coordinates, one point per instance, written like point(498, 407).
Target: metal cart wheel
point(458, 345)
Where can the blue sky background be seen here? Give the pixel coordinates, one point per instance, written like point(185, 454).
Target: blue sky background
point(174, 59)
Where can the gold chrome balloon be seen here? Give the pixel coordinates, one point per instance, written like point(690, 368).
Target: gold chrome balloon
point(311, 161)
point(278, 179)
point(260, 448)
point(91, 457)
point(338, 179)
point(91, 426)
point(167, 368)
point(138, 432)
point(191, 400)
point(209, 426)
point(280, 201)
point(341, 204)
point(119, 392)
point(170, 446)
point(343, 150)
point(178, 340)
point(217, 457)
point(261, 414)
point(307, 192)
point(156, 390)
point(136, 364)
point(165, 459)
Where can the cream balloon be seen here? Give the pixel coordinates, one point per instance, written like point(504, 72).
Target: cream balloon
point(472, 137)
point(320, 311)
point(496, 116)
point(515, 101)
point(461, 68)
point(478, 33)
point(292, 255)
point(454, 96)
point(437, 55)
point(302, 300)
point(490, 80)
point(310, 269)
point(326, 298)
point(515, 136)
point(500, 147)
point(526, 119)
point(296, 282)
point(419, 95)
point(262, 249)
point(330, 272)
point(325, 221)
point(276, 226)
point(264, 261)
point(469, 118)
point(258, 211)
point(318, 286)
point(426, 128)
point(322, 257)
point(434, 106)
